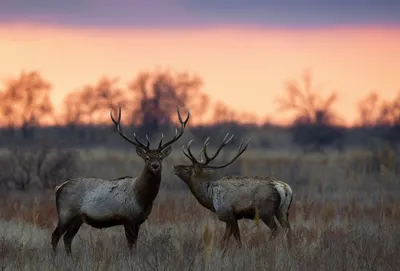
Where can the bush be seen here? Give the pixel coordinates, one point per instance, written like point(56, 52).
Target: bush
point(316, 134)
point(40, 167)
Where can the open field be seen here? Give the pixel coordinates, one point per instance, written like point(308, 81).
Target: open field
point(345, 216)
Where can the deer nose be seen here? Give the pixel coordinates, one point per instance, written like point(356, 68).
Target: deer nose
point(155, 166)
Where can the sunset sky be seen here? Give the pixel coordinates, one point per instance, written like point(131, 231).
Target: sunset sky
point(244, 52)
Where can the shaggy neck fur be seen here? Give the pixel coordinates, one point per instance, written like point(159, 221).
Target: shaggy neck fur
point(200, 186)
point(147, 186)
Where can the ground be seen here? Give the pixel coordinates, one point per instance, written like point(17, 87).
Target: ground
point(345, 216)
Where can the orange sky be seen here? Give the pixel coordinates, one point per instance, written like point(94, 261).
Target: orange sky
point(244, 67)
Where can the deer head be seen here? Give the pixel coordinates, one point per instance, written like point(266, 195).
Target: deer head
point(152, 157)
point(203, 167)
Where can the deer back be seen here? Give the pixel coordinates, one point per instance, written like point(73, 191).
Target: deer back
point(244, 193)
point(97, 197)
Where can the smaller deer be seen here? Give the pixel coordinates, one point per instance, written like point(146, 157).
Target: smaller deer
point(236, 197)
point(103, 203)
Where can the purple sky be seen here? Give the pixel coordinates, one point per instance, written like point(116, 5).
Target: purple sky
point(164, 13)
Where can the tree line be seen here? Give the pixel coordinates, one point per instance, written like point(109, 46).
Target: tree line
point(149, 100)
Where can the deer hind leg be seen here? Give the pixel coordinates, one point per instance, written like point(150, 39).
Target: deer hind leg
point(70, 234)
point(131, 233)
point(284, 221)
point(62, 226)
point(271, 223)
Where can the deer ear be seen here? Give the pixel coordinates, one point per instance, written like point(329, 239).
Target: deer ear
point(140, 151)
point(166, 152)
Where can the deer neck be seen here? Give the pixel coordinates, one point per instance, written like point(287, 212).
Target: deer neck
point(200, 188)
point(147, 186)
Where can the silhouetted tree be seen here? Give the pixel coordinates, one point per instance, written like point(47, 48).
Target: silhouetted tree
point(74, 109)
point(389, 113)
point(247, 118)
point(25, 102)
point(374, 111)
point(156, 94)
point(368, 110)
point(314, 121)
point(222, 113)
point(92, 103)
point(384, 115)
point(310, 107)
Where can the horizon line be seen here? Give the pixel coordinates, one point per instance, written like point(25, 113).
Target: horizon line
point(213, 26)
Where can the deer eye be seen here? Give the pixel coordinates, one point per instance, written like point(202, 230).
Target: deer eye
point(147, 158)
point(186, 169)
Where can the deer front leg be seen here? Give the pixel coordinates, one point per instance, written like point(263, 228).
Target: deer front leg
point(236, 232)
point(131, 233)
point(227, 235)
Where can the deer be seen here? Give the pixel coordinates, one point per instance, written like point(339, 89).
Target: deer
point(233, 198)
point(123, 201)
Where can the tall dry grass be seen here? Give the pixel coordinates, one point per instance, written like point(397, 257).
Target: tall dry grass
point(345, 216)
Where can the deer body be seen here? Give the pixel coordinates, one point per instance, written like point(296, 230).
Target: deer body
point(103, 203)
point(240, 197)
point(233, 198)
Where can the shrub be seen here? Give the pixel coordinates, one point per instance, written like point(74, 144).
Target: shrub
point(42, 167)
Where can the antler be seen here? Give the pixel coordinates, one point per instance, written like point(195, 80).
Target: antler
point(177, 135)
point(189, 153)
point(208, 159)
point(134, 141)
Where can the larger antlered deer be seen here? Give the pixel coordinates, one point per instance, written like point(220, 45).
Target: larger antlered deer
point(236, 197)
point(103, 203)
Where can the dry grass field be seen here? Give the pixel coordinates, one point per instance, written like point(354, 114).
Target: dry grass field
point(345, 216)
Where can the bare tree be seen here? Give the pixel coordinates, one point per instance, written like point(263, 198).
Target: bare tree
point(223, 113)
point(159, 92)
point(368, 110)
point(248, 118)
point(374, 111)
point(74, 109)
point(25, 102)
point(310, 107)
point(389, 113)
point(89, 105)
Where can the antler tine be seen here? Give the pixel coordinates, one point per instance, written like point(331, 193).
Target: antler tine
point(189, 154)
point(161, 140)
point(180, 117)
point(148, 141)
point(225, 141)
point(200, 155)
point(140, 143)
point(177, 135)
point(240, 151)
point(116, 122)
point(190, 151)
point(202, 150)
point(119, 128)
